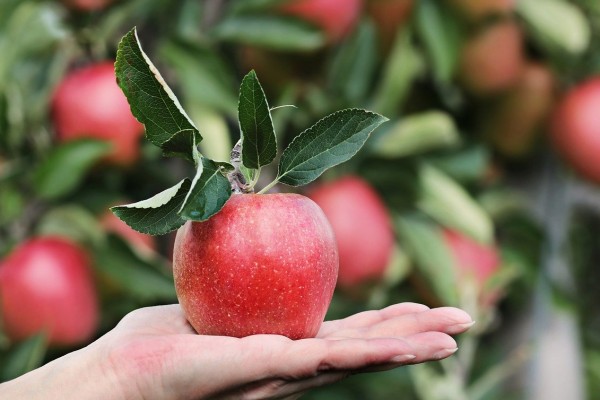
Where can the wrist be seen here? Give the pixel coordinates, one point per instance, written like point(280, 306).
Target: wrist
point(78, 375)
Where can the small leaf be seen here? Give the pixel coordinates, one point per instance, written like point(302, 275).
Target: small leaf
point(558, 26)
point(118, 262)
point(349, 75)
point(209, 192)
point(156, 215)
point(402, 68)
point(209, 80)
point(152, 101)
point(24, 357)
point(417, 134)
point(259, 145)
point(180, 144)
point(331, 141)
point(446, 201)
point(270, 31)
point(424, 242)
point(67, 166)
point(72, 221)
point(442, 36)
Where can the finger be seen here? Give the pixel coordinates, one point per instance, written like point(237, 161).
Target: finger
point(445, 319)
point(368, 318)
point(167, 319)
point(283, 389)
point(431, 346)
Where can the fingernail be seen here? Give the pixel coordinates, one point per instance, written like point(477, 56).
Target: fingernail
point(402, 358)
point(460, 327)
point(444, 353)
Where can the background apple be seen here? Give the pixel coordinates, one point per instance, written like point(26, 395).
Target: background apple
point(266, 263)
point(88, 103)
point(474, 261)
point(492, 59)
point(46, 285)
point(87, 5)
point(336, 17)
point(362, 228)
point(513, 121)
point(576, 128)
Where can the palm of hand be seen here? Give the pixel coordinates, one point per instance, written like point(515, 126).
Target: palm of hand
point(163, 358)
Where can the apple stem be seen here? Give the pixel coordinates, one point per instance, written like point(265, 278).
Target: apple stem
point(236, 177)
point(269, 186)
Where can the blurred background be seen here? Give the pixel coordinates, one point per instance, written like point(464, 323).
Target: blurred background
point(481, 192)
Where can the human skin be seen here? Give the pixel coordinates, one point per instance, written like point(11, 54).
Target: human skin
point(153, 353)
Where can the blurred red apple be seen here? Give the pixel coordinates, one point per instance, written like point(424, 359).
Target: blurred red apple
point(513, 122)
point(143, 243)
point(476, 10)
point(89, 103)
point(475, 262)
point(87, 5)
point(362, 228)
point(389, 16)
point(492, 60)
point(576, 128)
point(266, 263)
point(46, 286)
point(337, 18)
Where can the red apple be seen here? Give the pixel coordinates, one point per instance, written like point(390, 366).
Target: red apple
point(46, 285)
point(513, 122)
point(576, 128)
point(474, 262)
point(476, 10)
point(362, 229)
point(389, 16)
point(89, 103)
point(87, 5)
point(337, 18)
point(143, 243)
point(266, 263)
point(492, 60)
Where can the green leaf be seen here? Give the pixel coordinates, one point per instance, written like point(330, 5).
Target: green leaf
point(349, 75)
point(72, 221)
point(442, 36)
point(417, 134)
point(152, 101)
point(209, 192)
point(259, 144)
point(331, 141)
point(558, 26)
point(24, 357)
point(270, 31)
point(403, 66)
point(158, 214)
point(209, 80)
point(138, 277)
point(468, 164)
point(66, 167)
point(424, 242)
point(447, 202)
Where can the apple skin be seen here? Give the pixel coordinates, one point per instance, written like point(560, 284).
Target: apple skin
point(337, 18)
point(362, 228)
point(388, 17)
point(265, 264)
point(513, 122)
point(89, 103)
point(493, 59)
point(87, 5)
point(475, 10)
point(46, 284)
point(576, 128)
